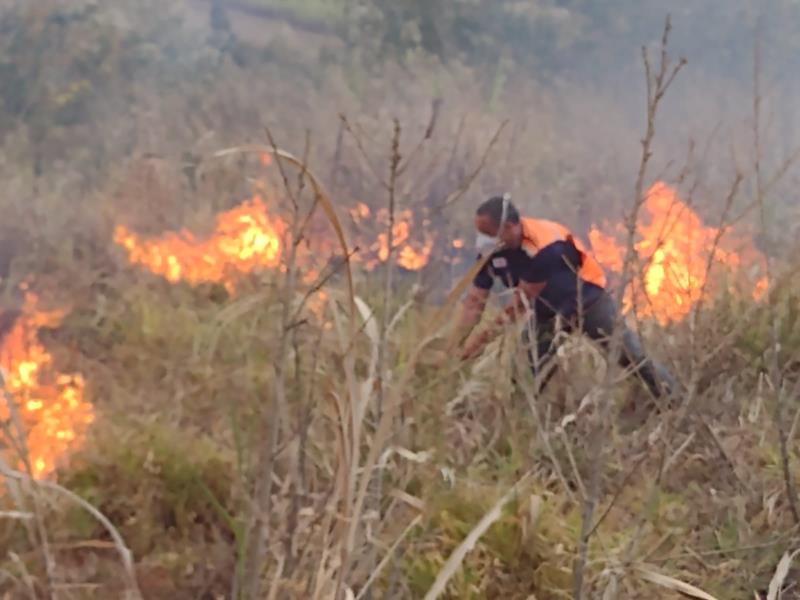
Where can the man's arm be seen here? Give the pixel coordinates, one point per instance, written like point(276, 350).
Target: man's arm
point(473, 306)
point(524, 296)
point(471, 313)
point(537, 272)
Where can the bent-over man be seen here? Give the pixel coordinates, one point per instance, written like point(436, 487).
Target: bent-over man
point(552, 273)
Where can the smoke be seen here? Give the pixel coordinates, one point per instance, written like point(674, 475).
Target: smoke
point(183, 81)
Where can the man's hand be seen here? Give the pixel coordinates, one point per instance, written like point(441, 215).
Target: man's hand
point(475, 346)
point(517, 308)
point(471, 312)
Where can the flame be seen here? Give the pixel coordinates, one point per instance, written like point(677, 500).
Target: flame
point(51, 407)
point(360, 212)
point(245, 239)
point(411, 255)
point(414, 260)
point(760, 289)
point(674, 246)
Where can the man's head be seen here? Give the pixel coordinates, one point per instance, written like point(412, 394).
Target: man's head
point(497, 219)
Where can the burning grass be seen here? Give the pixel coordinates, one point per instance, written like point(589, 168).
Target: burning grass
point(470, 439)
point(245, 238)
point(250, 238)
point(678, 255)
point(51, 406)
point(181, 375)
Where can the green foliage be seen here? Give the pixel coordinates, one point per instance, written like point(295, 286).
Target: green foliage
point(155, 479)
point(577, 38)
point(171, 494)
point(64, 66)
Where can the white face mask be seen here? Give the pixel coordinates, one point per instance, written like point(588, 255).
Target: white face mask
point(487, 243)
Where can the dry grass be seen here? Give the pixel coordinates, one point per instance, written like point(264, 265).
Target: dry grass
point(413, 496)
point(180, 376)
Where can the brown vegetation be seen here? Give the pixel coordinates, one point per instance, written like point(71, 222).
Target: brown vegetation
point(304, 433)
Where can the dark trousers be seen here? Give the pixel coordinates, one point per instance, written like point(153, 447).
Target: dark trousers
point(598, 323)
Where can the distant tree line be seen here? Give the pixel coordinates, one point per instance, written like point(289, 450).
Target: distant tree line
point(574, 37)
point(72, 66)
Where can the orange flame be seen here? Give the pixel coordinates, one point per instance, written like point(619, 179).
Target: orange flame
point(359, 212)
point(760, 289)
point(51, 407)
point(674, 246)
point(245, 239)
point(414, 260)
point(410, 255)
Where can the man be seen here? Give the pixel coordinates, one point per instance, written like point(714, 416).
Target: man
point(552, 273)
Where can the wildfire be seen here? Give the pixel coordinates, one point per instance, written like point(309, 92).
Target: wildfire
point(410, 256)
point(50, 405)
point(244, 239)
point(761, 287)
point(359, 212)
point(247, 238)
point(674, 246)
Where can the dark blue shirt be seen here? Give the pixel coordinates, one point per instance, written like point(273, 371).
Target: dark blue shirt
point(555, 265)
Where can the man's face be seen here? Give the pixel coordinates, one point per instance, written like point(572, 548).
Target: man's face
point(510, 234)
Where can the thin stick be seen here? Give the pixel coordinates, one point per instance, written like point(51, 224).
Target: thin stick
point(467, 182)
point(657, 85)
point(775, 373)
point(624, 484)
point(389, 554)
point(436, 106)
point(119, 543)
point(364, 154)
point(337, 156)
point(38, 512)
point(381, 378)
point(259, 525)
point(457, 557)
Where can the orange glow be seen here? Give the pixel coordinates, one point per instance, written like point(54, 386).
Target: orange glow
point(266, 159)
point(414, 260)
point(51, 407)
point(317, 304)
point(399, 235)
point(673, 245)
point(248, 238)
point(245, 239)
point(761, 287)
point(458, 244)
point(410, 254)
point(359, 212)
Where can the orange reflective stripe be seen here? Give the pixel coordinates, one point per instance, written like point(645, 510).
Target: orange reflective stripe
point(538, 233)
point(590, 270)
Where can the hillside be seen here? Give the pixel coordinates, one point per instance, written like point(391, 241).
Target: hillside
point(234, 242)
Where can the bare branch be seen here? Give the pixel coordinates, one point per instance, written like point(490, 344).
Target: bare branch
point(281, 169)
point(362, 150)
point(657, 85)
point(465, 185)
point(776, 376)
point(435, 107)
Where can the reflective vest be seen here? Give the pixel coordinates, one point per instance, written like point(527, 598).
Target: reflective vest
point(538, 233)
